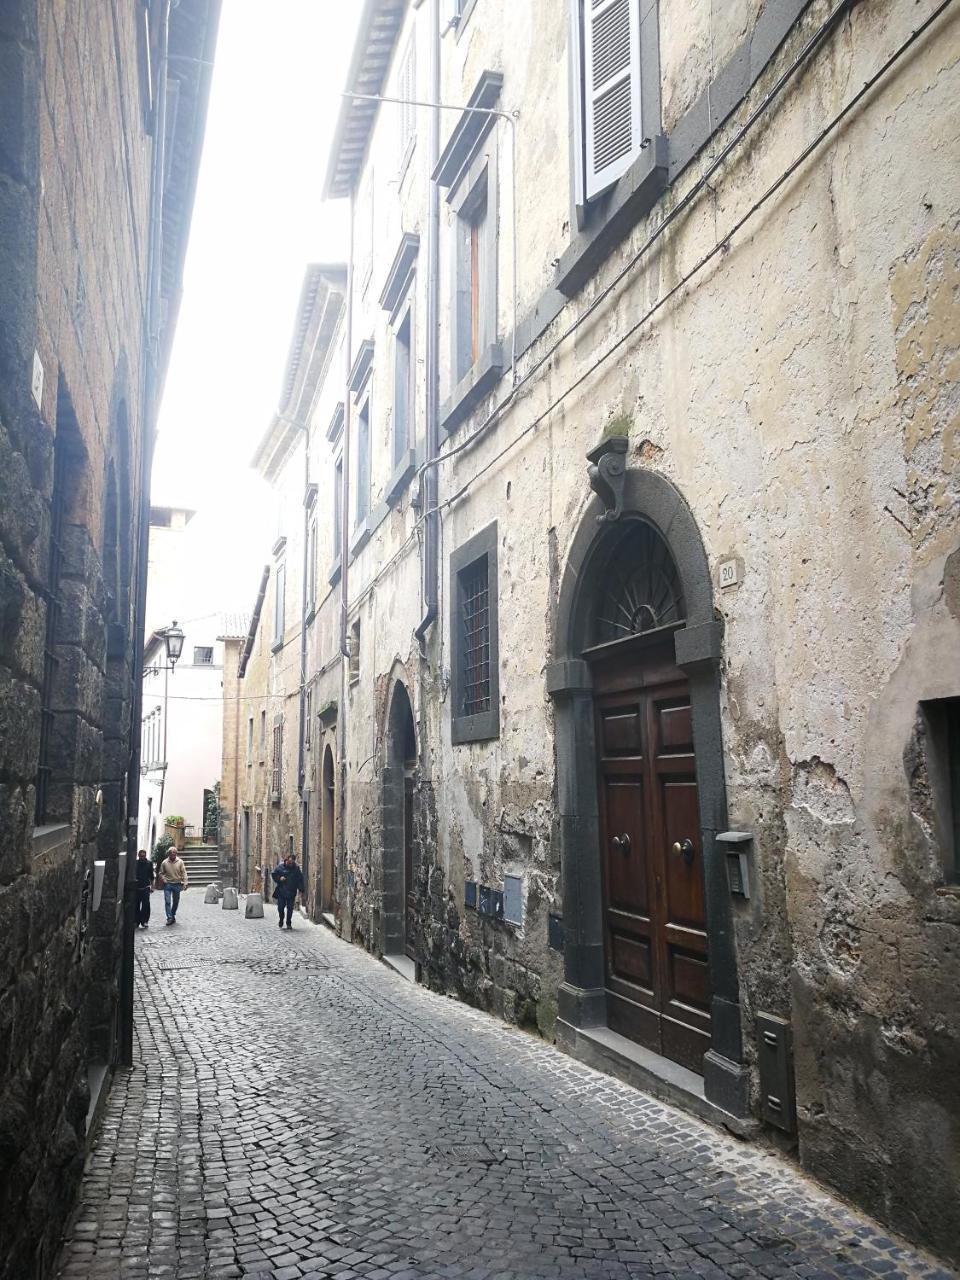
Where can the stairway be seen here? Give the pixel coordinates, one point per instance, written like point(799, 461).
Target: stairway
point(203, 861)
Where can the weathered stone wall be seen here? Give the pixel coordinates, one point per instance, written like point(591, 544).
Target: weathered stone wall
point(72, 277)
point(798, 390)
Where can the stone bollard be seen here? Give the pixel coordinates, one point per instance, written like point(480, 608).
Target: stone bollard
point(254, 908)
point(229, 902)
point(212, 894)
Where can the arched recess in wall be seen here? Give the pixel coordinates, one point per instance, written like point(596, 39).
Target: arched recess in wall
point(635, 668)
point(328, 831)
point(116, 560)
point(398, 784)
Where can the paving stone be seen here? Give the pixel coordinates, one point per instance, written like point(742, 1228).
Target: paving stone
point(334, 1120)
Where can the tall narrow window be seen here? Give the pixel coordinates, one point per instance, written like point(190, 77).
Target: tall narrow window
point(474, 329)
point(363, 462)
point(307, 718)
point(68, 457)
point(263, 737)
point(279, 602)
point(250, 741)
point(337, 508)
point(276, 779)
point(401, 390)
point(406, 111)
point(312, 565)
point(473, 639)
point(258, 828)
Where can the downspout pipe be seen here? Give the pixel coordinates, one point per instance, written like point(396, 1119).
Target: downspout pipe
point(347, 436)
point(432, 514)
point(150, 370)
point(304, 603)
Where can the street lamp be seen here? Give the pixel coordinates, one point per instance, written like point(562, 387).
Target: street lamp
point(173, 639)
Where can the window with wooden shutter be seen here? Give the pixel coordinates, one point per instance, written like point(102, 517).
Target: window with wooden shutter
point(611, 91)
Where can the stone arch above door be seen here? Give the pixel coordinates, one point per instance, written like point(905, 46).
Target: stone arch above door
point(647, 497)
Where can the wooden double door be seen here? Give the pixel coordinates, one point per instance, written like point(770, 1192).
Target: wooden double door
point(657, 975)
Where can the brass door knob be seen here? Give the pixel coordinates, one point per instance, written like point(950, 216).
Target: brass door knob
point(684, 849)
point(622, 843)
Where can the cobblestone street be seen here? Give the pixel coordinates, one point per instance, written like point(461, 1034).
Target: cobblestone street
point(301, 1111)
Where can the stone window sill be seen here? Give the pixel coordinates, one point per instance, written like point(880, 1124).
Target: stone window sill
point(614, 216)
point(403, 474)
point(472, 387)
point(334, 575)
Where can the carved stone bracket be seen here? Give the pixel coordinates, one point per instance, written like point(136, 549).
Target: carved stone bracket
point(607, 472)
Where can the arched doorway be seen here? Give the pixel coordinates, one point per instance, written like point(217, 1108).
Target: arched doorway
point(656, 974)
point(648, 946)
point(327, 831)
point(399, 901)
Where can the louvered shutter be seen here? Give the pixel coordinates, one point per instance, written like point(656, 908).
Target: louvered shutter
point(611, 90)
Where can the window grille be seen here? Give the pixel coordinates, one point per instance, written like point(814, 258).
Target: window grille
point(277, 772)
point(259, 834)
point(475, 619)
point(474, 644)
point(202, 656)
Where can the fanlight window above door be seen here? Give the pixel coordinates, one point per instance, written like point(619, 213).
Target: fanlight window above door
point(639, 589)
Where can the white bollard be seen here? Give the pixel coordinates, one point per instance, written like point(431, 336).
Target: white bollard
point(229, 902)
point(254, 908)
point(212, 894)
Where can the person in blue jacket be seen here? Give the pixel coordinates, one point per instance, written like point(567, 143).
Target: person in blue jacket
point(287, 883)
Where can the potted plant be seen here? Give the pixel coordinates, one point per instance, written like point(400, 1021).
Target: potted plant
point(160, 851)
point(173, 825)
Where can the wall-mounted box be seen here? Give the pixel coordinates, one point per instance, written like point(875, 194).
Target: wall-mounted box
point(513, 899)
point(775, 1061)
point(736, 849)
point(555, 932)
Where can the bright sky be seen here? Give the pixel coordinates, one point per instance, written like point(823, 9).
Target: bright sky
point(258, 220)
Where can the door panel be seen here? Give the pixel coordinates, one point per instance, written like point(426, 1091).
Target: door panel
point(409, 888)
point(657, 974)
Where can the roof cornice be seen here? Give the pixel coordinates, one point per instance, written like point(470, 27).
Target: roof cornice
point(377, 33)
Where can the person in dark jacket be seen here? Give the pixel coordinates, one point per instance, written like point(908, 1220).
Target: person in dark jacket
point(287, 883)
point(143, 870)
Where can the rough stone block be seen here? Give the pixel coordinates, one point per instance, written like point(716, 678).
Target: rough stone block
point(254, 907)
point(19, 726)
point(213, 894)
point(230, 901)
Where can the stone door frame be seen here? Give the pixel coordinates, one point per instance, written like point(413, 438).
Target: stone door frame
point(393, 894)
point(582, 996)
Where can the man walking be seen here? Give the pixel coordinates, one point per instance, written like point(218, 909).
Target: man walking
point(287, 883)
point(143, 870)
point(173, 873)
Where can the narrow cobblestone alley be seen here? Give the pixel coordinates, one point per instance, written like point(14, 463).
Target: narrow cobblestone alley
point(299, 1110)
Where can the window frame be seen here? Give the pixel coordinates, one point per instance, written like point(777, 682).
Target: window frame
point(363, 486)
point(250, 742)
point(481, 726)
point(200, 649)
point(476, 261)
point(402, 446)
point(279, 603)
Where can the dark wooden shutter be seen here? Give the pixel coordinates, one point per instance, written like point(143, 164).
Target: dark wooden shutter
point(611, 90)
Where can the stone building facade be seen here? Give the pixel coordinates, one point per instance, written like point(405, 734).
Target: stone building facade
point(90, 289)
point(619, 541)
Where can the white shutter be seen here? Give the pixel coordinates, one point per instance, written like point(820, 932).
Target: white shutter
point(611, 90)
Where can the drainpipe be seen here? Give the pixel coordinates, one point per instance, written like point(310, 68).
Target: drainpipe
point(301, 761)
point(431, 512)
point(149, 366)
point(344, 537)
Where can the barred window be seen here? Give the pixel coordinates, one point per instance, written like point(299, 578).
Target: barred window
point(474, 640)
point(277, 763)
point(475, 621)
